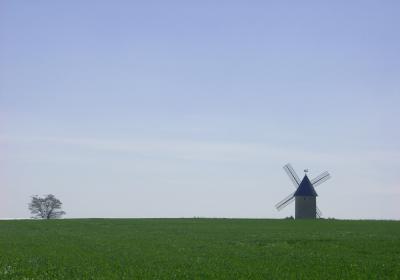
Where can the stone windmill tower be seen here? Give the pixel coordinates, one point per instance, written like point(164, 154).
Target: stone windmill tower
point(305, 196)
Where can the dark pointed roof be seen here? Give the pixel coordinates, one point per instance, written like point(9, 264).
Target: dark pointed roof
point(305, 188)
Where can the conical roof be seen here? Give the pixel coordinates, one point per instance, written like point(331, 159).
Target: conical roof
point(305, 188)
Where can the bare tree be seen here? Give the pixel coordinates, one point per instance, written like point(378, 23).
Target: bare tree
point(48, 207)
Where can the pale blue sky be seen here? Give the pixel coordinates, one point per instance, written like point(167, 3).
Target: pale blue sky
point(191, 108)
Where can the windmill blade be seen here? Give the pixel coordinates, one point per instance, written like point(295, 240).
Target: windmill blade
point(319, 213)
point(320, 179)
point(285, 202)
point(292, 174)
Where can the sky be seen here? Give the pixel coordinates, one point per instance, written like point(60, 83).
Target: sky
point(191, 108)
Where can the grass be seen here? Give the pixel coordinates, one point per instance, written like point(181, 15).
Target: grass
point(199, 249)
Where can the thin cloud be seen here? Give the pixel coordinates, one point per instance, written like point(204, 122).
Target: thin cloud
point(208, 150)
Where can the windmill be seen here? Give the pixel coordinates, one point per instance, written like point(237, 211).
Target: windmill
point(305, 194)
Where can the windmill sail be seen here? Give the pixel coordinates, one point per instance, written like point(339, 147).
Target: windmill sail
point(319, 213)
point(292, 174)
point(285, 202)
point(320, 179)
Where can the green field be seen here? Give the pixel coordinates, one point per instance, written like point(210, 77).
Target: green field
point(199, 249)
